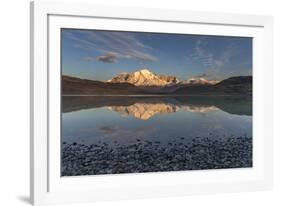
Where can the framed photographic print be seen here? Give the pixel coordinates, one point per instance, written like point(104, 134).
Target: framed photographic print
point(131, 106)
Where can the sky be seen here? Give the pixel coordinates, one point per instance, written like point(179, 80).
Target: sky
point(101, 55)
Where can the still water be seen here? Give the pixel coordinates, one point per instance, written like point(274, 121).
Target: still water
point(157, 125)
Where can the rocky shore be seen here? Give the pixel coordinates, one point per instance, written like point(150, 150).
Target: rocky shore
point(152, 156)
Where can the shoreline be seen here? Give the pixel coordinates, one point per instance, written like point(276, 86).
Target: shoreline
point(200, 154)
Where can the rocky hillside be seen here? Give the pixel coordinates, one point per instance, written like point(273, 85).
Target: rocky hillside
point(241, 85)
point(77, 86)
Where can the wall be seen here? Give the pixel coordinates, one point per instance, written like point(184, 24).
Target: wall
point(14, 109)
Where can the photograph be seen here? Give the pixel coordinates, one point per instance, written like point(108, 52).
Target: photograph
point(138, 102)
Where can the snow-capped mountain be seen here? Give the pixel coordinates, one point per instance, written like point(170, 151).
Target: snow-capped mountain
point(144, 77)
point(199, 81)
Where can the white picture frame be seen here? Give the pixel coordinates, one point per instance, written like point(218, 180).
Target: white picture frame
point(46, 184)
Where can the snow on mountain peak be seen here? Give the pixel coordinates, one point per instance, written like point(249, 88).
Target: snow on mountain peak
point(199, 81)
point(145, 71)
point(145, 77)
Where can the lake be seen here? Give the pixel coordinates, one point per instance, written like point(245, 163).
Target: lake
point(129, 134)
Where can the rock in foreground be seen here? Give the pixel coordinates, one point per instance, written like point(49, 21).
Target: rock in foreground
point(152, 156)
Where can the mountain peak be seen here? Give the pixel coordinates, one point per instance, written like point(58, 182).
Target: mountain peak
point(145, 73)
point(145, 70)
point(144, 77)
point(199, 81)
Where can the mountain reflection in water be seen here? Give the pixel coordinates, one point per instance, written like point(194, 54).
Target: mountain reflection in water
point(145, 107)
point(145, 111)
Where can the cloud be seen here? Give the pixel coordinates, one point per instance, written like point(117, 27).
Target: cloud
point(125, 45)
point(109, 57)
point(216, 63)
point(201, 54)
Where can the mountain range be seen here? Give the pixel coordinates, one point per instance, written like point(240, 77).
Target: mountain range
point(145, 77)
point(145, 82)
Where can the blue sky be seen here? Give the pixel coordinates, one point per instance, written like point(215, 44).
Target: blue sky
point(101, 55)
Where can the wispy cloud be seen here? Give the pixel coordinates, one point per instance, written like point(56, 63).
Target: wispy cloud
point(111, 45)
point(216, 63)
point(201, 54)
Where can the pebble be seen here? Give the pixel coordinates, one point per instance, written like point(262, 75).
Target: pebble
point(147, 156)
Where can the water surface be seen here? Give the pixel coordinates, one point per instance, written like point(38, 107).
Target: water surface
point(106, 135)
